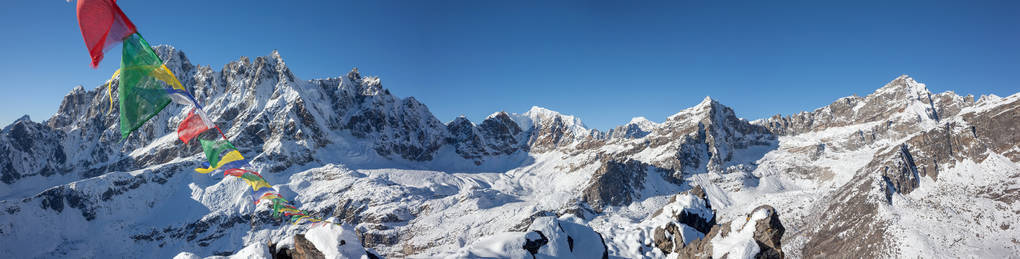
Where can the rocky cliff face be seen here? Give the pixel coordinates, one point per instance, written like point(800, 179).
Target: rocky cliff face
point(914, 150)
point(498, 135)
point(615, 184)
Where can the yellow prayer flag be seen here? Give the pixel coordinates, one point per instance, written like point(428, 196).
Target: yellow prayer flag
point(229, 157)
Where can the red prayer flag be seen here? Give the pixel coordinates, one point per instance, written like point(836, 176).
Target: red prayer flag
point(234, 172)
point(194, 124)
point(103, 25)
point(239, 172)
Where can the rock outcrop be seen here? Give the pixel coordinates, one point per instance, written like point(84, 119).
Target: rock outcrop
point(304, 249)
point(687, 217)
point(615, 183)
point(759, 235)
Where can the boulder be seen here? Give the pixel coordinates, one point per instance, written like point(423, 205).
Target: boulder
point(304, 249)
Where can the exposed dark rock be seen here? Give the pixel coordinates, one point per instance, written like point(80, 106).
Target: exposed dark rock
point(768, 234)
point(500, 133)
point(371, 255)
point(901, 173)
point(701, 248)
point(304, 249)
point(615, 184)
point(669, 238)
point(55, 198)
point(997, 128)
point(850, 226)
point(465, 139)
point(349, 211)
point(532, 242)
point(373, 235)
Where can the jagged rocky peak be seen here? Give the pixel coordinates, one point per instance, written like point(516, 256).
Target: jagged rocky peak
point(907, 104)
point(74, 105)
point(465, 138)
point(28, 149)
point(550, 130)
point(26, 117)
point(503, 118)
point(276, 55)
point(706, 136)
point(902, 91)
point(710, 114)
point(496, 135)
point(460, 120)
point(642, 122)
point(175, 59)
point(367, 86)
point(708, 108)
point(638, 127)
point(903, 83)
point(539, 117)
point(501, 125)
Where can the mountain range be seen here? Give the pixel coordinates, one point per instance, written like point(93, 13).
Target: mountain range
point(900, 172)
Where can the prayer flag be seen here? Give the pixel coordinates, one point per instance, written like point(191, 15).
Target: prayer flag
point(256, 182)
point(236, 165)
point(214, 148)
point(264, 194)
point(142, 93)
point(278, 203)
point(229, 157)
point(194, 124)
point(103, 25)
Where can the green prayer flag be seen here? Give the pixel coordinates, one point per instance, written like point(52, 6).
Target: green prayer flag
point(278, 203)
point(213, 149)
point(142, 96)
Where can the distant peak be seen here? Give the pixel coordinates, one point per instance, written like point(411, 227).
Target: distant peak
point(642, 123)
point(539, 114)
point(78, 89)
point(354, 75)
point(24, 118)
point(460, 120)
point(639, 120)
point(705, 108)
point(497, 114)
point(539, 110)
point(708, 102)
point(988, 98)
point(163, 48)
point(903, 82)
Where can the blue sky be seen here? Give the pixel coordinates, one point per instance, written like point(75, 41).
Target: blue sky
point(602, 61)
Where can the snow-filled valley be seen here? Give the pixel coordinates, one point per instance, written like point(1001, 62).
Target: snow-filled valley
point(901, 172)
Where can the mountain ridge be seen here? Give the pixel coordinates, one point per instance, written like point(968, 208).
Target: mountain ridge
point(410, 184)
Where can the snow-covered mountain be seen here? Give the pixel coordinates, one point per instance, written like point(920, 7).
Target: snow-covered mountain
point(862, 177)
